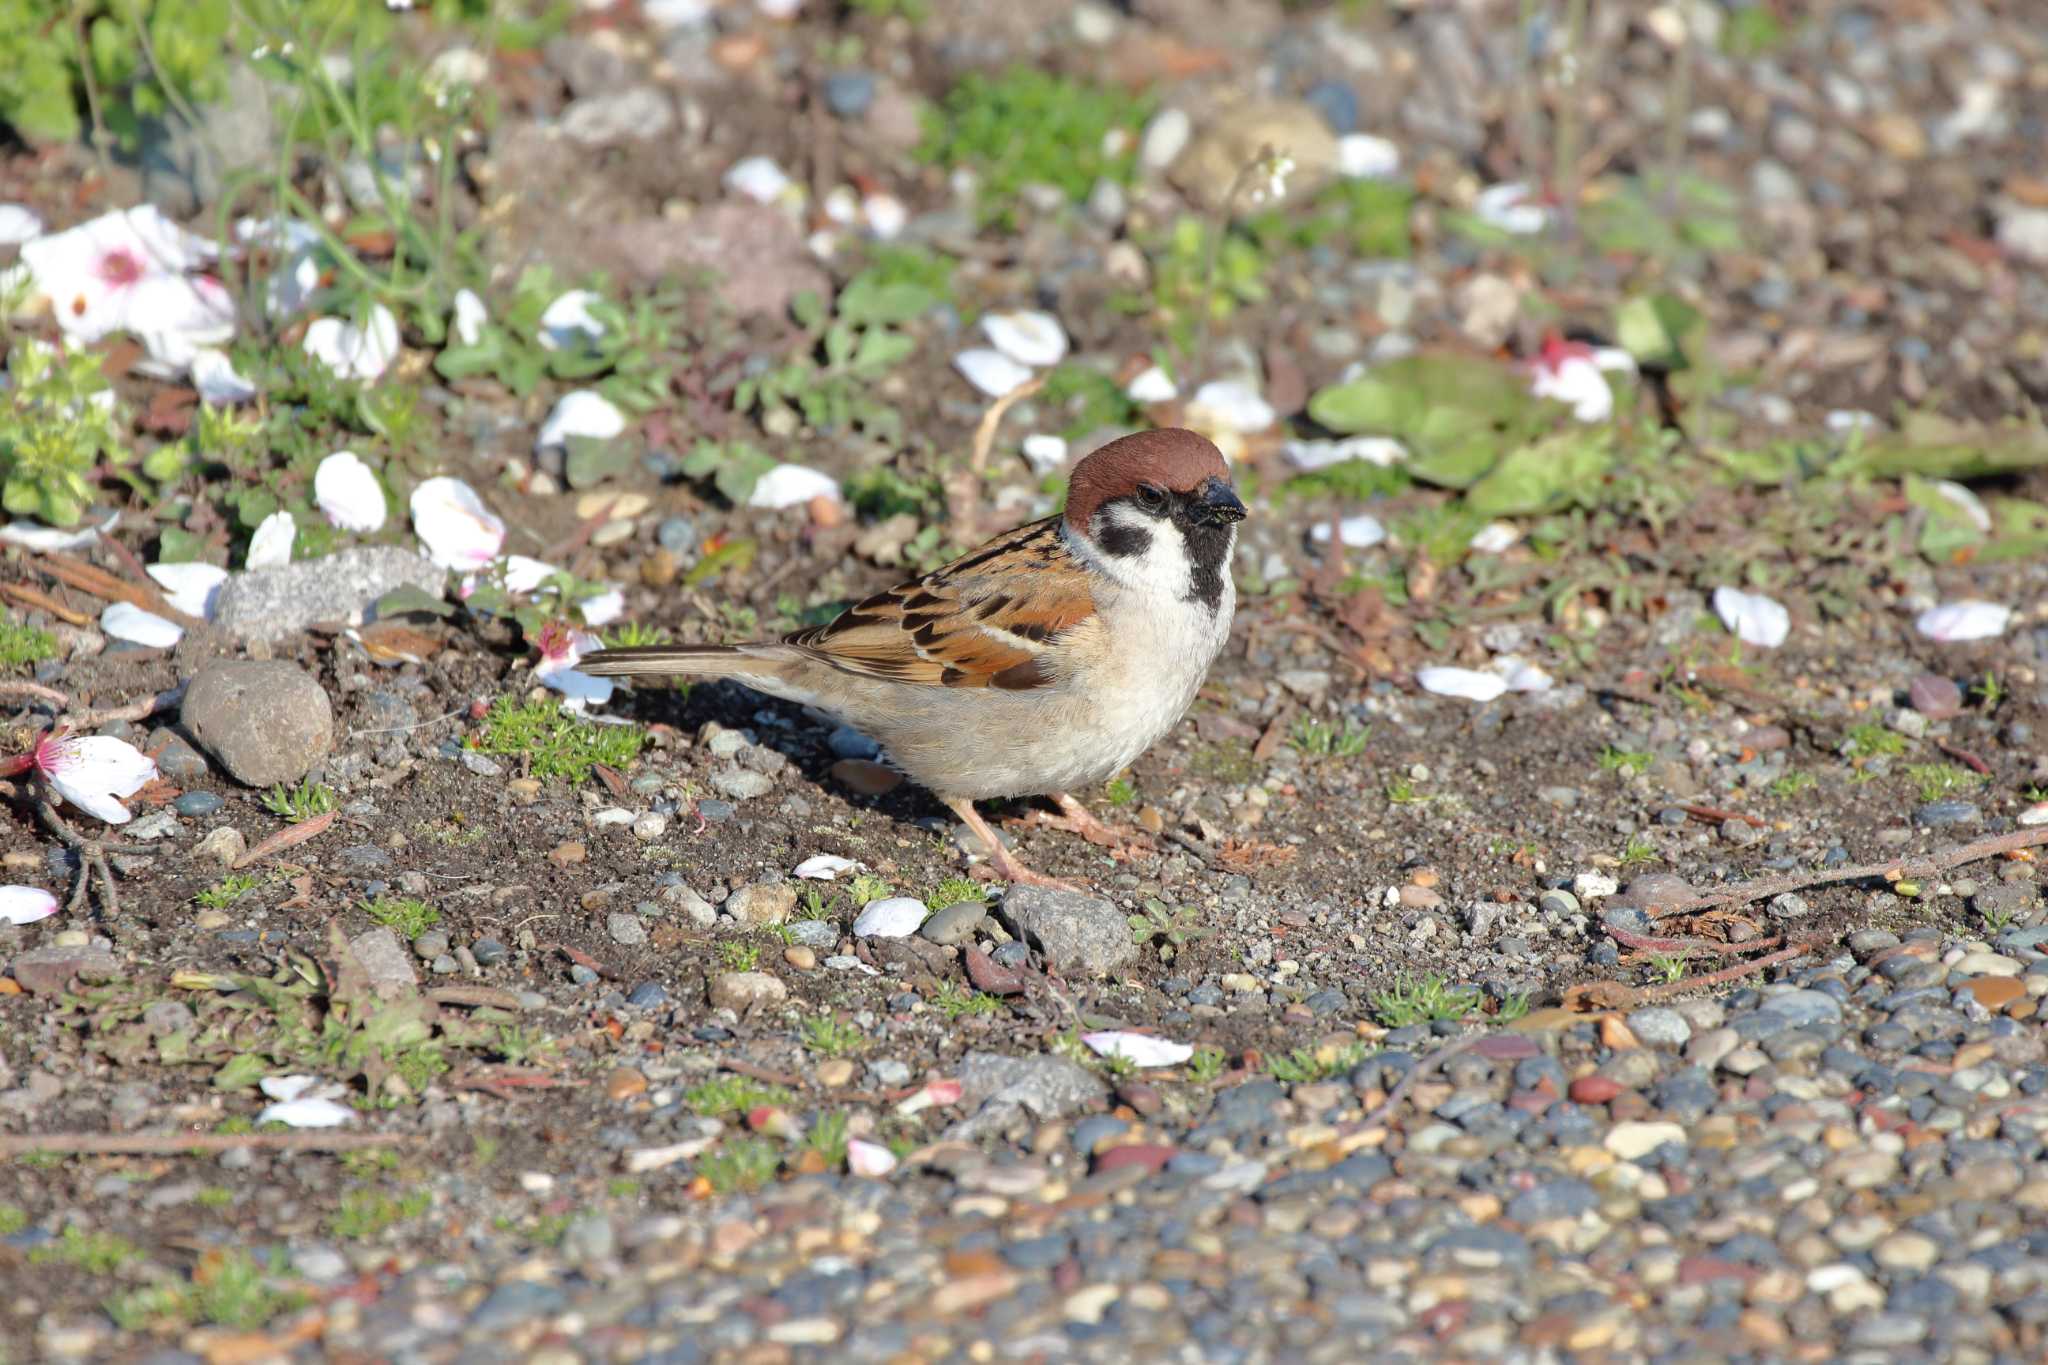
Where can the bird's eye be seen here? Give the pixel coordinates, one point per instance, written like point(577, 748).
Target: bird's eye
point(1150, 497)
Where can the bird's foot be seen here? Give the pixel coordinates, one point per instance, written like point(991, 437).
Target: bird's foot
point(1075, 818)
point(1000, 858)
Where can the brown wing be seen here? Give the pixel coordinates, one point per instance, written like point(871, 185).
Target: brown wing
point(983, 620)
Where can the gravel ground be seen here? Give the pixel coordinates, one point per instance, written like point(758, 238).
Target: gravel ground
point(1476, 1075)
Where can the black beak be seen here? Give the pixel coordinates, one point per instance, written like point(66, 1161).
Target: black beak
point(1216, 504)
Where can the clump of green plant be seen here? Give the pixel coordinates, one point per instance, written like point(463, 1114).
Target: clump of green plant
point(740, 957)
point(56, 430)
point(13, 1218)
point(865, 887)
point(1423, 1000)
point(1669, 967)
point(52, 53)
point(552, 742)
point(1320, 739)
point(1936, 780)
point(953, 1001)
point(24, 646)
point(410, 918)
point(1401, 792)
point(1173, 927)
point(725, 1096)
point(1873, 740)
point(296, 805)
point(858, 344)
point(1027, 126)
point(1086, 400)
point(954, 890)
point(1369, 218)
point(96, 1252)
point(1119, 791)
point(1512, 1007)
point(364, 1214)
point(827, 1137)
point(1315, 1064)
point(629, 355)
point(743, 1164)
point(1200, 278)
point(1206, 1065)
point(227, 891)
point(1639, 850)
point(228, 1289)
point(1627, 762)
point(1792, 784)
point(831, 1036)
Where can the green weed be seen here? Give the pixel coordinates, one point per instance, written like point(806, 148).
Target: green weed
point(725, 1096)
point(831, 1036)
point(410, 918)
point(1627, 762)
point(1873, 740)
point(742, 1164)
point(296, 805)
point(1206, 1065)
point(740, 957)
point(54, 433)
point(227, 891)
point(953, 1001)
point(24, 646)
point(95, 1253)
point(1321, 739)
point(366, 1214)
point(1792, 784)
point(1027, 126)
point(552, 742)
point(1304, 1065)
point(1935, 780)
point(1423, 1000)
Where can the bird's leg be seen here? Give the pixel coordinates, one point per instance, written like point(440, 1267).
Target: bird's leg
point(1076, 818)
point(1004, 861)
point(92, 862)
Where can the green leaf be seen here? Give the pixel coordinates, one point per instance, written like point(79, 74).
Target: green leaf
point(880, 350)
point(2019, 529)
point(1544, 476)
point(808, 308)
point(240, 1072)
point(1948, 531)
point(734, 554)
point(869, 301)
point(408, 600)
point(1653, 328)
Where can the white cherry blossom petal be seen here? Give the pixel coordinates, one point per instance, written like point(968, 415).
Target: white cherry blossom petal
point(1028, 336)
point(990, 371)
point(524, 574)
point(758, 178)
point(1577, 382)
point(886, 216)
point(458, 531)
point(1139, 1049)
point(355, 352)
point(302, 1102)
point(271, 546)
point(214, 375)
point(43, 539)
point(1850, 419)
point(92, 772)
point(604, 608)
point(824, 867)
point(18, 224)
point(468, 318)
point(1956, 622)
point(1359, 532)
point(568, 322)
point(1361, 156)
point(791, 485)
point(192, 588)
point(869, 1159)
point(348, 493)
point(1466, 683)
point(1752, 617)
point(581, 412)
point(1512, 208)
point(1232, 405)
point(126, 621)
point(1044, 452)
point(1152, 385)
point(1523, 676)
point(894, 917)
point(1496, 537)
point(25, 904)
point(1383, 451)
point(1972, 506)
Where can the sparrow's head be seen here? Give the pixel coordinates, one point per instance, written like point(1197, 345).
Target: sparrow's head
point(1159, 504)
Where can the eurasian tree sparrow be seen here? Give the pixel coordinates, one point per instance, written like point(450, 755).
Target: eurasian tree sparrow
point(1048, 659)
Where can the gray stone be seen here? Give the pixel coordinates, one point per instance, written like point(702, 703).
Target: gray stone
point(762, 903)
point(742, 785)
point(1660, 1027)
point(51, 969)
point(850, 94)
point(626, 928)
point(814, 933)
point(1050, 1087)
point(271, 604)
point(184, 165)
point(1936, 813)
point(265, 721)
point(384, 959)
point(1073, 929)
point(1804, 1008)
point(740, 991)
point(600, 120)
point(956, 923)
point(695, 908)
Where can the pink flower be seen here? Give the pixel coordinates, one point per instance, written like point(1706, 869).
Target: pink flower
point(91, 771)
point(561, 649)
point(1573, 373)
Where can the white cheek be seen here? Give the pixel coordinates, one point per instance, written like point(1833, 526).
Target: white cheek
point(1163, 568)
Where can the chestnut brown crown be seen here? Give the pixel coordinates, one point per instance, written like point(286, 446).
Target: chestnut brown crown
point(1171, 458)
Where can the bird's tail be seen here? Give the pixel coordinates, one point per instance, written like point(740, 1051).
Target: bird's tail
point(703, 661)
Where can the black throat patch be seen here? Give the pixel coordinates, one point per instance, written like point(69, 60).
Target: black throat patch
point(1208, 561)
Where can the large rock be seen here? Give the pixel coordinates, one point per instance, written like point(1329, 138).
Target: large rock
point(265, 721)
point(1075, 931)
point(1210, 168)
point(270, 604)
point(1006, 1089)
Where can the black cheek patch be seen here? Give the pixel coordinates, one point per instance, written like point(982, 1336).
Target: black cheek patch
point(1125, 542)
